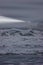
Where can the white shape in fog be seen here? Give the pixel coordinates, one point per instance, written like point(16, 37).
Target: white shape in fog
point(4, 19)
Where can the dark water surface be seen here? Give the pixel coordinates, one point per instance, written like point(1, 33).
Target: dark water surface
point(23, 59)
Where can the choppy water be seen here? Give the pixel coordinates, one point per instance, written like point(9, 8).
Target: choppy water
point(22, 46)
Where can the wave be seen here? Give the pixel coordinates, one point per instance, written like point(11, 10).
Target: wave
point(20, 41)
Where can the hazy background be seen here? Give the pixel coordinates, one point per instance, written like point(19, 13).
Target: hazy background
point(22, 9)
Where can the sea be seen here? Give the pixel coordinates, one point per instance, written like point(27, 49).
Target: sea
point(22, 45)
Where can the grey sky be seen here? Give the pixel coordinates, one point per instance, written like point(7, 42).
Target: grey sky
point(34, 9)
